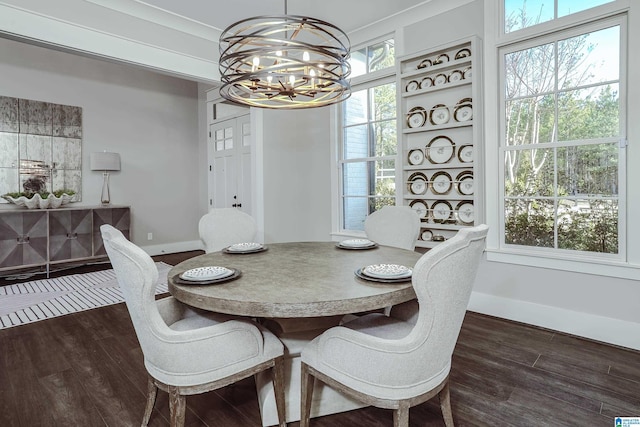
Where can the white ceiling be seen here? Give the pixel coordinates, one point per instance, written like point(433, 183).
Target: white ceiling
point(349, 15)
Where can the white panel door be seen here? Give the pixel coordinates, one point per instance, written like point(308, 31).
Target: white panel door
point(230, 164)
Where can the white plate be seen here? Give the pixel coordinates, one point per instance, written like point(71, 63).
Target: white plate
point(466, 212)
point(356, 243)
point(441, 59)
point(455, 76)
point(385, 271)
point(416, 157)
point(462, 53)
point(426, 235)
point(412, 85)
point(439, 80)
point(421, 209)
point(417, 117)
point(465, 185)
point(419, 186)
point(440, 114)
point(467, 74)
point(242, 247)
point(440, 149)
point(202, 274)
point(441, 183)
point(441, 211)
point(463, 113)
point(426, 82)
point(465, 153)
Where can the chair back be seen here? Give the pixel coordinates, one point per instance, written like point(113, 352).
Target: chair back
point(443, 279)
point(396, 226)
point(137, 276)
point(224, 227)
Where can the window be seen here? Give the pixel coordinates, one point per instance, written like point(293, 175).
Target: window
point(368, 141)
point(562, 136)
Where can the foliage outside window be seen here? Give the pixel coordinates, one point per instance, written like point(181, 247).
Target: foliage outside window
point(561, 138)
point(368, 141)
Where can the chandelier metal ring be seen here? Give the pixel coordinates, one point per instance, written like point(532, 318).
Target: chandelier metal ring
point(284, 62)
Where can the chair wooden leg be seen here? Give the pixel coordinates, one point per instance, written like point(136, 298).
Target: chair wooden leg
point(152, 393)
point(277, 373)
point(307, 382)
point(177, 407)
point(401, 415)
point(445, 405)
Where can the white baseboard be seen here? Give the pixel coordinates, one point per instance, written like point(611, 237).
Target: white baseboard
point(599, 328)
point(171, 248)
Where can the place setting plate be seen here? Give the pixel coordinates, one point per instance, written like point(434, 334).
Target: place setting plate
point(385, 273)
point(357, 244)
point(245, 248)
point(207, 275)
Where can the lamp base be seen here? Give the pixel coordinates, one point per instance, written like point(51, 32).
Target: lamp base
point(105, 199)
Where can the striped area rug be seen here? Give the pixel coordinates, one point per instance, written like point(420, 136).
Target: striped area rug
point(43, 299)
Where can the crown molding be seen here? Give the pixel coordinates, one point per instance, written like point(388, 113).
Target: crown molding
point(144, 11)
point(35, 28)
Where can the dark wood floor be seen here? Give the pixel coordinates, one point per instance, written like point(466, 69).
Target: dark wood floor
point(86, 369)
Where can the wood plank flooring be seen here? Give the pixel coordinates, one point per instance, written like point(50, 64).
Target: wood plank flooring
point(86, 369)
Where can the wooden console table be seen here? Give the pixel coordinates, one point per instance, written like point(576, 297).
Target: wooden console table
point(40, 238)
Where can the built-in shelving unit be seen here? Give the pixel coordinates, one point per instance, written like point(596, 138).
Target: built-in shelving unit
point(440, 127)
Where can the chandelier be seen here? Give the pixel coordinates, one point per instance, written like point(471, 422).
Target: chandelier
point(284, 62)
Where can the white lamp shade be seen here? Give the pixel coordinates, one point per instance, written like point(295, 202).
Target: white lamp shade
point(105, 161)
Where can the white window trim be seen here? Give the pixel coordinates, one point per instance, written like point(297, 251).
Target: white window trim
point(495, 39)
point(362, 82)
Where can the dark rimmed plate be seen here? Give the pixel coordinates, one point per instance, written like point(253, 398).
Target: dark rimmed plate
point(179, 281)
point(248, 251)
point(363, 276)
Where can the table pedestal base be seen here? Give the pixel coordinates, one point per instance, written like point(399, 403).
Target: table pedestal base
point(325, 399)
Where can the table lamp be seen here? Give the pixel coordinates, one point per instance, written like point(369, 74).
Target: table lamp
point(105, 162)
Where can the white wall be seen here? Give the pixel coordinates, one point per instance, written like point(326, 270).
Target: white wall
point(150, 119)
point(296, 179)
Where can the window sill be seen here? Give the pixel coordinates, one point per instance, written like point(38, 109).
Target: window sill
point(599, 267)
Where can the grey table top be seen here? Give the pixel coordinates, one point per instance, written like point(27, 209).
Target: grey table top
point(292, 280)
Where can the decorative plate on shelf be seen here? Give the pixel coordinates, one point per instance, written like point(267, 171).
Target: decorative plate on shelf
point(465, 212)
point(425, 63)
point(440, 149)
point(418, 183)
point(412, 86)
point(465, 183)
point(426, 82)
point(441, 211)
point(441, 59)
point(421, 209)
point(426, 235)
point(439, 114)
point(462, 53)
point(467, 73)
point(456, 75)
point(441, 183)
point(465, 153)
point(416, 157)
point(463, 111)
point(440, 79)
point(416, 117)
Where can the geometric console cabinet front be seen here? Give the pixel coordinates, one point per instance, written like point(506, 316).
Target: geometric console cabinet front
point(44, 237)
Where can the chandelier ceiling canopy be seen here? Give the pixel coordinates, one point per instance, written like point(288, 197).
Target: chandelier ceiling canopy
point(284, 62)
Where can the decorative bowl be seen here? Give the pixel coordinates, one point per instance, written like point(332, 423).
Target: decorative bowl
point(37, 202)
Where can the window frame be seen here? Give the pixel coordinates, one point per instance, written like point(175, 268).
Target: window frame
point(362, 82)
point(577, 30)
point(495, 38)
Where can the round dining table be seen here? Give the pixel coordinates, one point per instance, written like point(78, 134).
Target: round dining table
point(295, 280)
point(297, 290)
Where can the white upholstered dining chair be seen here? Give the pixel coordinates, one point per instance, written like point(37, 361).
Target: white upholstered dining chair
point(188, 351)
point(397, 226)
point(223, 227)
point(401, 360)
